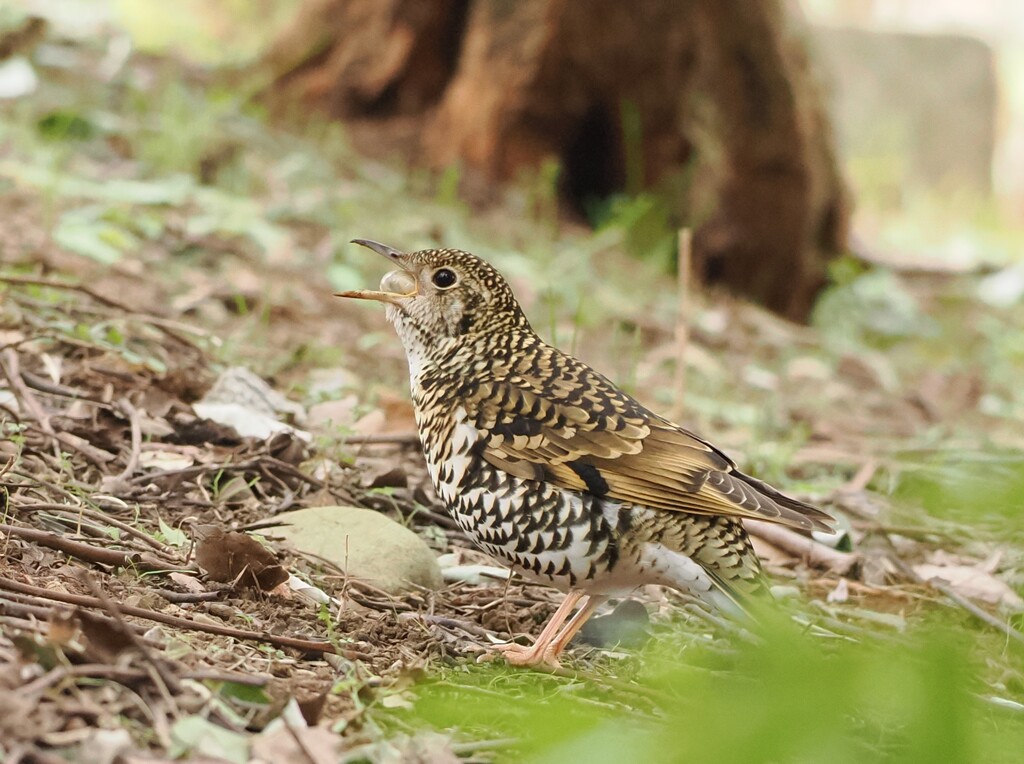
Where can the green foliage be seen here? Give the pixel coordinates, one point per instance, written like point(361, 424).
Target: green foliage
point(173, 536)
point(645, 222)
point(243, 693)
point(89, 231)
point(977, 488)
point(65, 125)
point(789, 698)
point(212, 31)
point(633, 146)
point(868, 309)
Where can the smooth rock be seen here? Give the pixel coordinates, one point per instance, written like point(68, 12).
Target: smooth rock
point(367, 545)
point(626, 626)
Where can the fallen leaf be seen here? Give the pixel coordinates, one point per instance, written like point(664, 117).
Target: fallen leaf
point(103, 746)
point(312, 706)
point(381, 473)
point(233, 556)
point(244, 401)
point(187, 582)
point(194, 735)
point(973, 582)
point(841, 593)
point(308, 591)
point(165, 461)
point(235, 491)
point(61, 627)
point(105, 638)
point(277, 742)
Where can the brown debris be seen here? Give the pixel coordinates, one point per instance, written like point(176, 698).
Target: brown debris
point(233, 557)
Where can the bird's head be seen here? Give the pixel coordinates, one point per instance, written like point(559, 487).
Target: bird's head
point(437, 295)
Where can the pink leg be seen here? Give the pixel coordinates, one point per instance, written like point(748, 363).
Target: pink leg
point(560, 642)
point(552, 640)
point(519, 655)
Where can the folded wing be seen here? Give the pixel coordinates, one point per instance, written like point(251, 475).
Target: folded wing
point(580, 432)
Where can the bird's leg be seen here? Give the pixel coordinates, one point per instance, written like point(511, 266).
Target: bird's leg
point(537, 653)
point(564, 637)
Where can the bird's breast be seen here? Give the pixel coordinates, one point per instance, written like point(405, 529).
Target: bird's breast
point(449, 441)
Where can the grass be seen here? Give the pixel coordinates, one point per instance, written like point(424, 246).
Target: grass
point(789, 697)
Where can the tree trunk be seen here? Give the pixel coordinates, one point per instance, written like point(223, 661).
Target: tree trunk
point(710, 101)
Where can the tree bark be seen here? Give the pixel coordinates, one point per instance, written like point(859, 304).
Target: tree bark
point(711, 102)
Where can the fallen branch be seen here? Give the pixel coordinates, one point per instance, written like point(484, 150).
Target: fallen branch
point(378, 438)
point(941, 586)
point(95, 554)
point(11, 368)
point(168, 326)
point(449, 623)
point(816, 555)
point(136, 428)
point(125, 675)
point(188, 598)
point(252, 464)
point(974, 610)
point(84, 601)
point(76, 513)
point(72, 442)
point(162, 673)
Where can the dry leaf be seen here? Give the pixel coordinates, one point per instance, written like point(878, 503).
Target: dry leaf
point(973, 582)
point(316, 745)
point(841, 593)
point(105, 638)
point(187, 582)
point(233, 556)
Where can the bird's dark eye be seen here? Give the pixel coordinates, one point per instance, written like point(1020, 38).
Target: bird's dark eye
point(444, 278)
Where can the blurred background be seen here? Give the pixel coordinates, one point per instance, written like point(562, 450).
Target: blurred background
point(844, 313)
point(928, 104)
point(926, 100)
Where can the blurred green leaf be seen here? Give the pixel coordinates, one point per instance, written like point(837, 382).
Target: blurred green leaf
point(85, 232)
point(173, 536)
point(791, 698)
point(344, 277)
point(645, 221)
point(196, 736)
point(65, 126)
point(872, 309)
point(974, 488)
point(246, 693)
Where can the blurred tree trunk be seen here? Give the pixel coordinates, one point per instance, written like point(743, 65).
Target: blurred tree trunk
point(709, 101)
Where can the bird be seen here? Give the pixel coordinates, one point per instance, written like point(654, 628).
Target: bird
point(552, 469)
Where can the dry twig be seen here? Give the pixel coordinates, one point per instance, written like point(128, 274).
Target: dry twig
point(89, 553)
point(306, 645)
point(684, 266)
point(807, 549)
point(379, 438)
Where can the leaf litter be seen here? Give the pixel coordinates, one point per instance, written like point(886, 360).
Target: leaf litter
point(124, 506)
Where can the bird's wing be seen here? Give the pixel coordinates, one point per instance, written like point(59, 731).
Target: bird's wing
point(580, 432)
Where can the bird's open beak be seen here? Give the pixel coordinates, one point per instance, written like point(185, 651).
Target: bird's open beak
point(395, 286)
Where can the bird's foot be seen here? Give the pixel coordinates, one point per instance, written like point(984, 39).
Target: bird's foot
point(534, 656)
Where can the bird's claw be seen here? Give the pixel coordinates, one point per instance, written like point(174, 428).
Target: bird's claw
point(533, 656)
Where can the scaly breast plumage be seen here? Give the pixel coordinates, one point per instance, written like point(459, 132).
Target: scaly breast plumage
point(558, 535)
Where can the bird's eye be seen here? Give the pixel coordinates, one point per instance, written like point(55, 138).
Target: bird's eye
point(444, 278)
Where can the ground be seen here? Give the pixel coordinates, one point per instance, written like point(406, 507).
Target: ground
point(156, 231)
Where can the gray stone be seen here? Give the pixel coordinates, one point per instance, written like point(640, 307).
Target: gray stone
point(367, 545)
